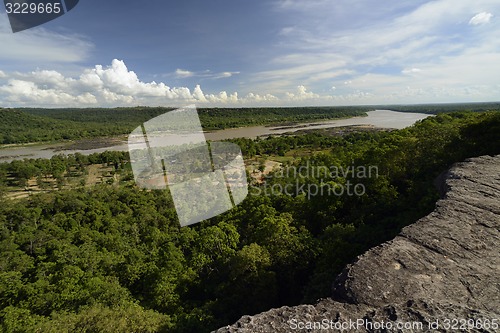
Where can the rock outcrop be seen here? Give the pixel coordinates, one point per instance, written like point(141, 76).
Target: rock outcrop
point(440, 274)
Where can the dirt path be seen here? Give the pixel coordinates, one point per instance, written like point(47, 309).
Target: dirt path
point(269, 166)
point(93, 174)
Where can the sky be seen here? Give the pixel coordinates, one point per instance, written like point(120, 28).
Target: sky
point(239, 53)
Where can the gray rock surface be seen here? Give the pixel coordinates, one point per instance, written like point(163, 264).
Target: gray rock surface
point(440, 274)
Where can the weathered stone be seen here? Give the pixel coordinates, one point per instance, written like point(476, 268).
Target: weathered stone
point(446, 266)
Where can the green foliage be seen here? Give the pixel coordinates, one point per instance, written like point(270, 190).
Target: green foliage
point(441, 108)
point(57, 167)
point(130, 318)
point(37, 125)
point(216, 118)
point(113, 258)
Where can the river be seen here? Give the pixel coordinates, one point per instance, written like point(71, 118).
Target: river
point(378, 118)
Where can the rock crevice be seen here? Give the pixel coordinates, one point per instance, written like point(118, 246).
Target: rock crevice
point(440, 271)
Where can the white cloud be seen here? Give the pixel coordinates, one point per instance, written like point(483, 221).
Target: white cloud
point(19, 91)
point(118, 79)
point(225, 74)
point(181, 73)
point(49, 78)
point(481, 18)
point(198, 94)
point(223, 98)
point(113, 85)
point(409, 71)
point(301, 94)
point(90, 79)
point(307, 68)
point(207, 74)
point(111, 98)
point(251, 97)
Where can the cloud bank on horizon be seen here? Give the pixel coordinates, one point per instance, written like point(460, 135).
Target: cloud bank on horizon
point(323, 52)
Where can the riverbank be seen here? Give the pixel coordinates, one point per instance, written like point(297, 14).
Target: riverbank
point(377, 119)
point(341, 130)
point(94, 143)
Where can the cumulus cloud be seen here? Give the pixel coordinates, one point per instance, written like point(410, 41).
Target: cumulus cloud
point(251, 97)
point(118, 79)
point(198, 94)
point(223, 98)
point(91, 80)
point(113, 85)
point(49, 79)
point(301, 94)
point(481, 18)
point(20, 91)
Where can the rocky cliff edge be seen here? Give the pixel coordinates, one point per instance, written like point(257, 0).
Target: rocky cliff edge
point(440, 274)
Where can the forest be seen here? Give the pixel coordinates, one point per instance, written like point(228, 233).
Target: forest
point(47, 125)
point(113, 258)
point(27, 125)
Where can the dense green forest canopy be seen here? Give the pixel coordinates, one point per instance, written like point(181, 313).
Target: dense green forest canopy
point(36, 125)
point(113, 258)
point(444, 107)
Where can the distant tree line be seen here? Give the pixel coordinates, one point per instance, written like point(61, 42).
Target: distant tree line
point(38, 125)
point(444, 107)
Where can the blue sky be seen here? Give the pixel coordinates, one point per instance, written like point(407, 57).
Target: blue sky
point(246, 53)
